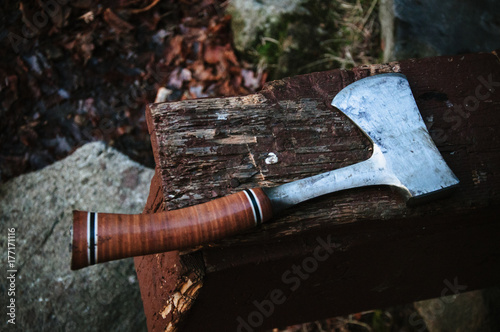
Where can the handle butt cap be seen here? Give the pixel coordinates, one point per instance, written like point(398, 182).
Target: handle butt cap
point(78, 246)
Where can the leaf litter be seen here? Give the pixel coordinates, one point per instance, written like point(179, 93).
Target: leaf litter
point(80, 71)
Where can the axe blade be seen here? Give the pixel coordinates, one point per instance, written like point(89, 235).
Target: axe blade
point(384, 108)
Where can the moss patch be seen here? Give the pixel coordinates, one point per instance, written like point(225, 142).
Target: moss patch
point(315, 36)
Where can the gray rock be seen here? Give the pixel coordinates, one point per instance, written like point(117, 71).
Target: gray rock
point(470, 311)
point(290, 37)
point(48, 295)
point(251, 18)
point(439, 27)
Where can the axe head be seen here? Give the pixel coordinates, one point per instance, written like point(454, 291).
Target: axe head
point(383, 107)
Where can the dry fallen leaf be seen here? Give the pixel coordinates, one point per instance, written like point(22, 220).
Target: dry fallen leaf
point(213, 54)
point(174, 50)
point(115, 22)
point(92, 79)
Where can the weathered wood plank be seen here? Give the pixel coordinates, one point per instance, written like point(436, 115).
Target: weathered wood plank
point(212, 147)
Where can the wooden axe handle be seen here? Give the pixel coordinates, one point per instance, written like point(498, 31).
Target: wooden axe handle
point(102, 237)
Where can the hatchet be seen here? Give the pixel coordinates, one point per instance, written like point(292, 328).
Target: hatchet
point(404, 156)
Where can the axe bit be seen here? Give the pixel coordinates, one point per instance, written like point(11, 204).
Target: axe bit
point(404, 156)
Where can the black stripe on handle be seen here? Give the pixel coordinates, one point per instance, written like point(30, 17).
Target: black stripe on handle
point(92, 244)
point(255, 206)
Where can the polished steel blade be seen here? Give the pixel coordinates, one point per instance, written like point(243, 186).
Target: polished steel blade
point(404, 155)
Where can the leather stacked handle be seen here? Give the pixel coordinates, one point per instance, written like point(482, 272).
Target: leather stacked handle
point(102, 237)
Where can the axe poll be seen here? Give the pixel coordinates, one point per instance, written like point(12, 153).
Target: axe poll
point(404, 156)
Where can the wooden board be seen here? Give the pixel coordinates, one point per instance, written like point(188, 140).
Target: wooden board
point(380, 252)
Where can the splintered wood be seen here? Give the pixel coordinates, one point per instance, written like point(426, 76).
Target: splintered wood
point(202, 137)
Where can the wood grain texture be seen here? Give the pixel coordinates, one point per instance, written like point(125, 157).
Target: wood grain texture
point(383, 251)
point(109, 236)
